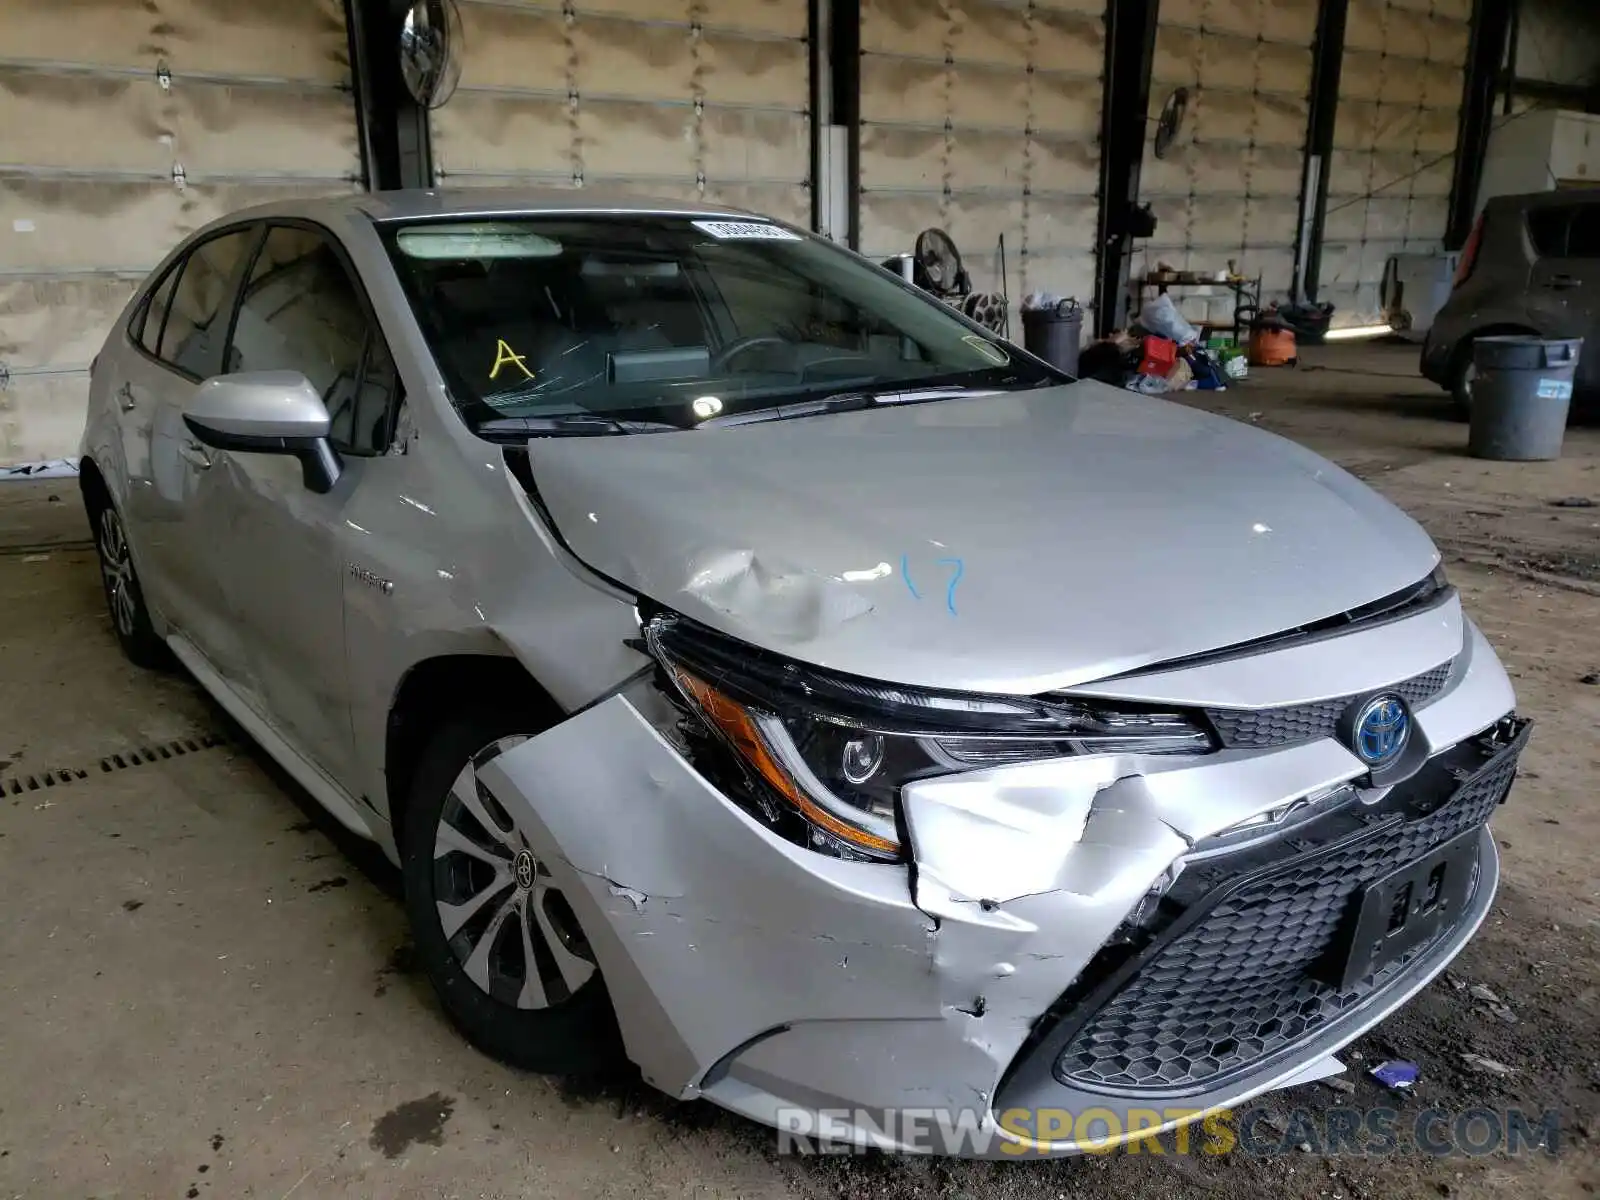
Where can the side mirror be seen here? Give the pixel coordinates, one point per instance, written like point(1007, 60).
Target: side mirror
point(267, 412)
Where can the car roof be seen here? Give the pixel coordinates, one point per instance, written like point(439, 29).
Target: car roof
point(419, 203)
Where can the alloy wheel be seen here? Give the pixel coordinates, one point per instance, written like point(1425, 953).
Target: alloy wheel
point(116, 566)
point(510, 929)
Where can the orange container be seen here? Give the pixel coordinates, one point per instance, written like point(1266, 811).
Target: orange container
point(1271, 347)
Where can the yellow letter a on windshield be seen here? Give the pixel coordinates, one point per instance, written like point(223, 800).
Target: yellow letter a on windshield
point(504, 354)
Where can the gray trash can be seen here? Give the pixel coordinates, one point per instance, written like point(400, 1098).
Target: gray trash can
point(1054, 334)
point(1521, 396)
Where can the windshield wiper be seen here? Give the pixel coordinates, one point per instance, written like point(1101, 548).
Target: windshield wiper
point(844, 402)
point(514, 430)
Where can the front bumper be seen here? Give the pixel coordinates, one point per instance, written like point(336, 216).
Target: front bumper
point(977, 990)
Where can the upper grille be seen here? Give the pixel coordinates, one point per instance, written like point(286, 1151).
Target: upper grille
point(1254, 728)
point(1240, 983)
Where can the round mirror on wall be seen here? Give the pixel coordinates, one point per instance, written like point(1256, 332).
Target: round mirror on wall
point(430, 51)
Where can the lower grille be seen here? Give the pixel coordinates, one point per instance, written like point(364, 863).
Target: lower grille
point(1234, 980)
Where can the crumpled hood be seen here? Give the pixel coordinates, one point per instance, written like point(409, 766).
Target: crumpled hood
point(1016, 543)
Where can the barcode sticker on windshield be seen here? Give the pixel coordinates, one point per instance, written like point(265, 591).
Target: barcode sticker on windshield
point(728, 231)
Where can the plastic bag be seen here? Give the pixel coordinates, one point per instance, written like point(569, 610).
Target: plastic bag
point(1161, 316)
point(1207, 372)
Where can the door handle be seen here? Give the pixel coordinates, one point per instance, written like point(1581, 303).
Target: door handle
point(193, 452)
point(125, 398)
point(1563, 283)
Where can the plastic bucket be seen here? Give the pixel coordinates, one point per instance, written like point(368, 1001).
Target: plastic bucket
point(1521, 396)
point(1054, 334)
point(1272, 347)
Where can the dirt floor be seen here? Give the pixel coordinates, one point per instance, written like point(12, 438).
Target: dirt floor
point(206, 988)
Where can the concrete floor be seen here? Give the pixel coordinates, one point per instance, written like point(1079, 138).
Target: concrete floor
point(205, 988)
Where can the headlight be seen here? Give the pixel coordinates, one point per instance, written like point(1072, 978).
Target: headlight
point(822, 757)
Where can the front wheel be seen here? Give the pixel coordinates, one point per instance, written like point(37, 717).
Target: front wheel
point(498, 940)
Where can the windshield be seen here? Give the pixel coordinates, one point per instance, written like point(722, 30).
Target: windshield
point(672, 321)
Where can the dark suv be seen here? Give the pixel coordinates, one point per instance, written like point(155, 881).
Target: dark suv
point(1532, 265)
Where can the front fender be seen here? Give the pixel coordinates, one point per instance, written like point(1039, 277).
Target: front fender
point(710, 930)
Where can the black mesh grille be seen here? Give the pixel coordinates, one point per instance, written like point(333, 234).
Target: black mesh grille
point(1244, 728)
point(1241, 982)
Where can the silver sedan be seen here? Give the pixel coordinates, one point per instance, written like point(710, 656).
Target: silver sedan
point(764, 674)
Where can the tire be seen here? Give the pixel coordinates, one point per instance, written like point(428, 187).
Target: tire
point(562, 1022)
point(1462, 374)
point(130, 618)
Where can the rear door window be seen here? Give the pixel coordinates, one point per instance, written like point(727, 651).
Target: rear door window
point(197, 323)
point(1547, 229)
point(154, 313)
point(1583, 235)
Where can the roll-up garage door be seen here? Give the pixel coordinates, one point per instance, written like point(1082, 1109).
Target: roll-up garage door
point(127, 125)
point(1229, 187)
point(982, 117)
point(686, 99)
point(1394, 144)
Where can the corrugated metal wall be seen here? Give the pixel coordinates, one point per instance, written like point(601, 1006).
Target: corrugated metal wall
point(255, 103)
point(982, 117)
point(1229, 188)
point(979, 116)
point(1394, 143)
point(677, 98)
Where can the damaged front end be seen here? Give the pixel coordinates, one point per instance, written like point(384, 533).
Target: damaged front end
point(823, 757)
point(808, 891)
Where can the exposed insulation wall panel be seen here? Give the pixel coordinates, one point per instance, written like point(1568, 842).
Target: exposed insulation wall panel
point(1394, 143)
point(1229, 187)
point(983, 117)
point(128, 126)
point(1558, 41)
point(684, 99)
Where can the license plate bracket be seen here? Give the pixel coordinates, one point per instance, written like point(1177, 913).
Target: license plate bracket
point(1405, 909)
